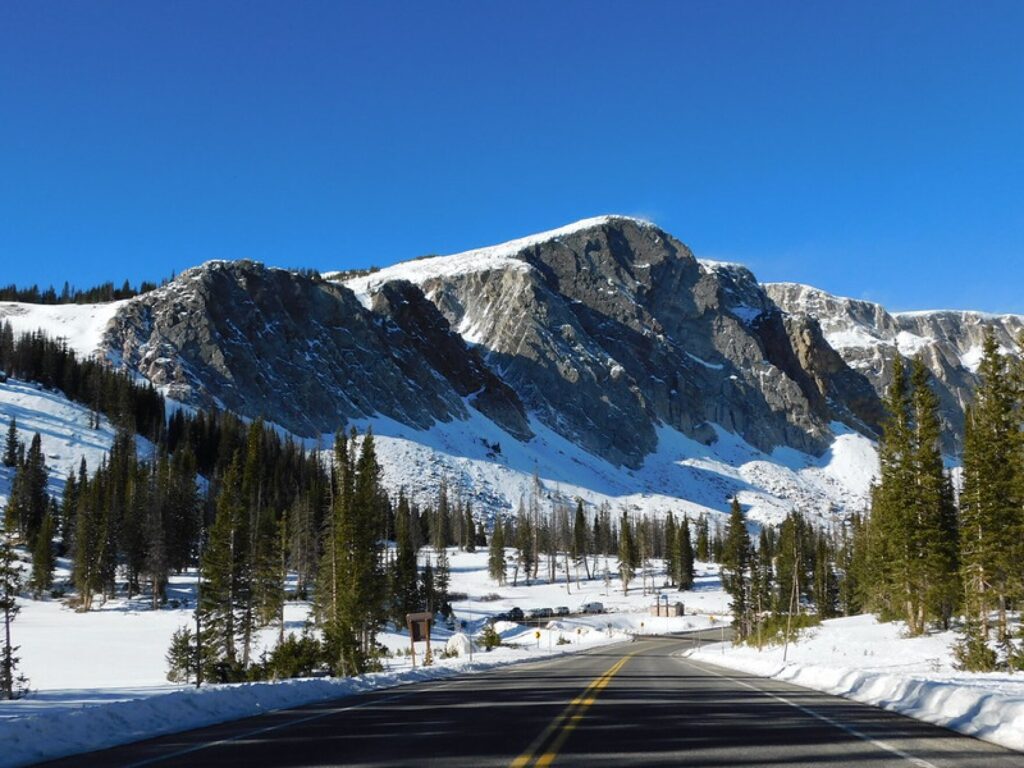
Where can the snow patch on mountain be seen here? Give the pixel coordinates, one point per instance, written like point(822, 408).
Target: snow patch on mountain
point(494, 471)
point(81, 325)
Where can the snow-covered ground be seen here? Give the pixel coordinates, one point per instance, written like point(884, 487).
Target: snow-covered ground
point(63, 427)
point(98, 678)
point(871, 662)
point(81, 325)
point(682, 475)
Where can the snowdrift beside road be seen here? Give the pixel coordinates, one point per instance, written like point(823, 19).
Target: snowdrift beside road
point(861, 659)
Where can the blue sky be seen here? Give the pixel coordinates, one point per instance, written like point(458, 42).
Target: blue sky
point(873, 149)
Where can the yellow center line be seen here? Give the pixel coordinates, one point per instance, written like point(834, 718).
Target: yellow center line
point(567, 720)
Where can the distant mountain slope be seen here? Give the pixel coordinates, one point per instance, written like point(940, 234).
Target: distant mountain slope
point(868, 338)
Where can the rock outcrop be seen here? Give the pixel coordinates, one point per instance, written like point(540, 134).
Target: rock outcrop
point(868, 338)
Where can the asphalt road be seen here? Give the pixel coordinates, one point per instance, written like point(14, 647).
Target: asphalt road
point(628, 704)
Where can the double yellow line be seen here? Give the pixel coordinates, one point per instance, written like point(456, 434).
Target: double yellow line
point(540, 756)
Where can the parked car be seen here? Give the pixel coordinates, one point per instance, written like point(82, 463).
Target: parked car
point(592, 608)
point(562, 610)
point(514, 614)
point(541, 613)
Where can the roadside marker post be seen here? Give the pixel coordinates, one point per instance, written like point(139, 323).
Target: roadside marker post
point(536, 634)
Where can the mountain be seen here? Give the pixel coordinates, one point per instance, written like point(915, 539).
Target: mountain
point(600, 360)
point(868, 338)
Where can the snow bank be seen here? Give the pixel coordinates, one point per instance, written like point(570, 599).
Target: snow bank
point(860, 659)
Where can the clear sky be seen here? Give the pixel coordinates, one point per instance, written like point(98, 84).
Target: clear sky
point(873, 149)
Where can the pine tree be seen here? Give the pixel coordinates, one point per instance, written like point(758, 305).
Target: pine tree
point(10, 458)
point(628, 554)
point(826, 582)
point(736, 558)
point(703, 539)
point(226, 582)
point(671, 550)
point(496, 553)
point(579, 540)
point(684, 557)
point(427, 587)
point(442, 581)
point(11, 684)
point(361, 580)
point(90, 541)
point(935, 527)
point(42, 560)
point(181, 656)
point(891, 545)
point(470, 528)
point(989, 503)
point(404, 577)
point(526, 555)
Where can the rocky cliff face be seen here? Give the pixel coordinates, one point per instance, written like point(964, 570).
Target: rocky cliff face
point(304, 353)
point(610, 327)
point(868, 338)
point(604, 332)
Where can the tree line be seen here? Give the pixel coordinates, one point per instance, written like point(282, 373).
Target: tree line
point(69, 294)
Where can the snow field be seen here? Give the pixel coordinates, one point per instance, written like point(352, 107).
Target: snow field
point(63, 427)
point(81, 325)
point(867, 661)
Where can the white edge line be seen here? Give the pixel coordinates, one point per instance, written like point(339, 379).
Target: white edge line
point(920, 762)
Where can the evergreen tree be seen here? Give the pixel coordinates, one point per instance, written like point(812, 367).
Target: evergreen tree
point(361, 604)
point(671, 550)
point(935, 527)
point(990, 507)
point(42, 560)
point(427, 587)
point(10, 458)
point(703, 539)
point(826, 582)
point(526, 555)
point(11, 684)
point(181, 656)
point(628, 553)
point(736, 559)
point(470, 528)
point(496, 553)
point(684, 557)
point(891, 545)
point(579, 539)
point(404, 579)
point(90, 542)
point(442, 581)
point(226, 581)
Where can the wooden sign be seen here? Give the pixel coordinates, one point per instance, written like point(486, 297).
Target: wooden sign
point(419, 629)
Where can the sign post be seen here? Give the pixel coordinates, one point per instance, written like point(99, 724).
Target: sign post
point(419, 627)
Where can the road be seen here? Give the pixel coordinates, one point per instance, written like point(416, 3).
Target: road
point(627, 704)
